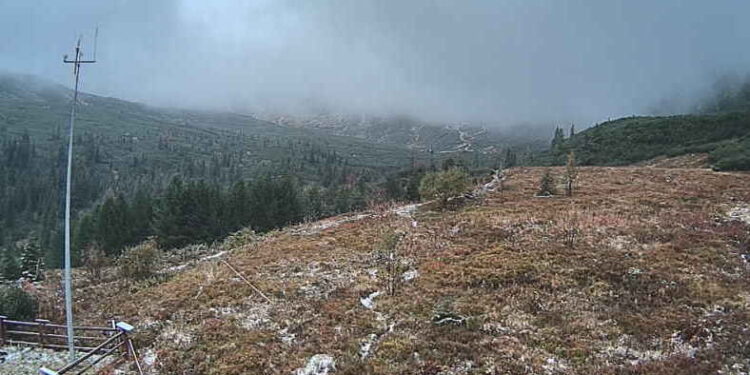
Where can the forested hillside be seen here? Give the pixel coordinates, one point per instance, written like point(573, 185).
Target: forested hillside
point(422, 135)
point(127, 154)
point(724, 136)
point(178, 174)
point(720, 127)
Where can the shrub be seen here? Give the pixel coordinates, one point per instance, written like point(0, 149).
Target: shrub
point(571, 173)
point(94, 261)
point(386, 250)
point(546, 185)
point(139, 262)
point(15, 303)
point(444, 185)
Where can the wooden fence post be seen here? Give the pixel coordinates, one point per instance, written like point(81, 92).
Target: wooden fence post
point(42, 330)
point(125, 329)
point(2, 329)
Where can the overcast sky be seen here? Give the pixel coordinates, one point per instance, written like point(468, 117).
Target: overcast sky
point(498, 61)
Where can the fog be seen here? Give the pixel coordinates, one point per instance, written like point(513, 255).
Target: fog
point(498, 62)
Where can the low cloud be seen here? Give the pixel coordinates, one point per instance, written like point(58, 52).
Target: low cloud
point(498, 62)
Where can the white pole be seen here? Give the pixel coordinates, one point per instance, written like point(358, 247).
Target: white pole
point(68, 287)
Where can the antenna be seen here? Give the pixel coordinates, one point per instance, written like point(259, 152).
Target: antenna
point(76, 61)
point(96, 38)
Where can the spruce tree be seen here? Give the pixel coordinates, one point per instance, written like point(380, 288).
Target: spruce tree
point(84, 232)
point(314, 203)
point(114, 225)
point(239, 206)
point(571, 173)
point(558, 146)
point(9, 268)
point(289, 207)
point(141, 217)
point(393, 189)
point(170, 218)
point(546, 185)
point(558, 139)
point(510, 159)
point(31, 263)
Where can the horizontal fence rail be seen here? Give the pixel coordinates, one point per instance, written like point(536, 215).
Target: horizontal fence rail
point(42, 333)
point(119, 348)
point(97, 343)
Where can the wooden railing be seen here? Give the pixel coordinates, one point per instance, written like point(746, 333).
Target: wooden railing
point(42, 333)
point(118, 347)
point(97, 343)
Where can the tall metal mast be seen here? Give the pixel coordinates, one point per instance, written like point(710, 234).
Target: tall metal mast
point(77, 61)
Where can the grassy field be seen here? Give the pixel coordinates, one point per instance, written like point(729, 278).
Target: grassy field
point(640, 272)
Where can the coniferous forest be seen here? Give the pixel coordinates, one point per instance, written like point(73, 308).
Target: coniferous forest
point(179, 176)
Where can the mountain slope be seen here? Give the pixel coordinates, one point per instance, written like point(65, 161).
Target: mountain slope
point(40, 108)
point(641, 272)
point(726, 137)
point(125, 148)
point(420, 135)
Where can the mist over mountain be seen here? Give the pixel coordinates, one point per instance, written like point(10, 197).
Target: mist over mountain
point(375, 187)
point(496, 62)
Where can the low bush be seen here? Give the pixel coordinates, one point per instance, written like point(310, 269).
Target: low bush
point(546, 185)
point(139, 262)
point(94, 261)
point(443, 185)
point(15, 303)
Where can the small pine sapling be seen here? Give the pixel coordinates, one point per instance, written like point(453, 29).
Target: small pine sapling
point(546, 185)
point(571, 174)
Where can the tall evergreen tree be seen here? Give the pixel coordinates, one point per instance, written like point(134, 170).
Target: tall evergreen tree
point(31, 260)
point(393, 189)
point(314, 203)
point(289, 207)
point(558, 139)
point(141, 216)
point(510, 159)
point(238, 208)
point(9, 268)
point(170, 221)
point(114, 225)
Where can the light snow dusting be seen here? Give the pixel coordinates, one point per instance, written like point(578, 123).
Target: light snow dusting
point(410, 275)
point(319, 364)
point(369, 301)
point(741, 213)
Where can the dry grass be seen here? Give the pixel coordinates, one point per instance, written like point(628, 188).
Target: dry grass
point(638, 273)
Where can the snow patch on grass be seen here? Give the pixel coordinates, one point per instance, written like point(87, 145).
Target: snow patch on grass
point(366, 345)
point(740, 212)
point(20, 360)
point(369, 301)
point(286, 337)
point(410, 275)
point(319, 364)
